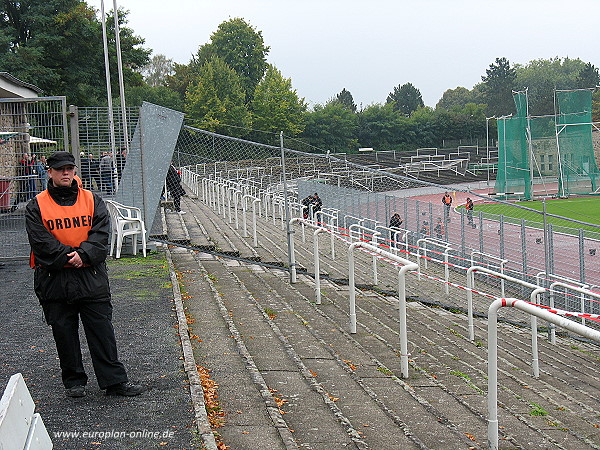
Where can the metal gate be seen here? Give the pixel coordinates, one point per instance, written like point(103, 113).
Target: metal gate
point(30, 130)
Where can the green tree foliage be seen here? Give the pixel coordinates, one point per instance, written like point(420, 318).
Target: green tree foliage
point(459, 97)
point(215, 101)
point(542, 76)
point(181, 77)
point(242, 47)
point(345, 98)
point(405, 98)
point(331, 127)
point(157, 71)
point(588, 77)
point(497, 86)
point(57, 46)
point(159, 95)
point(276, 106)
point(133, 56)
point(382, 127)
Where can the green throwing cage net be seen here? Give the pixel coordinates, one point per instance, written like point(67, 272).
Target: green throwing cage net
point(548, 155)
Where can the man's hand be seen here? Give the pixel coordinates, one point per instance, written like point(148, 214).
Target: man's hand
point(75, 259)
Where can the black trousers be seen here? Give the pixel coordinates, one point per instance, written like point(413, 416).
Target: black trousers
point(100, 335)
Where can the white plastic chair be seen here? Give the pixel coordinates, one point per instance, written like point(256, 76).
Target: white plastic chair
point(125, 221)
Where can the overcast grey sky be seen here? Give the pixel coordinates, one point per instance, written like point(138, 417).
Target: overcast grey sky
point(371, 46)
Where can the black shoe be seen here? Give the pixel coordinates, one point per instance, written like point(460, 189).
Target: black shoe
point(75, 391)
point(125, 389)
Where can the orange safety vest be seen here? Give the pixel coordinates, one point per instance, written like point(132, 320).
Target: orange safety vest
point(70, 225)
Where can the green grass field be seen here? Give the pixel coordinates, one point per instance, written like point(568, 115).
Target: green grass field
point(585, 209)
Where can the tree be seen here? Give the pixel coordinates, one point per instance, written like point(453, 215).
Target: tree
point(331, 127)
point(242, 47)
point(216, 100)
point(57, 45)
point(458, 97)
point(159, 95)
point(181, 77)
point(382, 127)
point(276, 106)
point(405, 98)
point(543, 76)
point(497, 87)
point(345, 98)
point(588, 77)
point(157, 71)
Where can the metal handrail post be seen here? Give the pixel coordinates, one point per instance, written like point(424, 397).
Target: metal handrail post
point(230, 194)
point(407, 265)
point(254, 233)
point(244, 211)
point(236, 195)
point(317, 263)
point(534, 294)
point(373, 235)
point(535, 311)
point(403, 321)
point(502, 264)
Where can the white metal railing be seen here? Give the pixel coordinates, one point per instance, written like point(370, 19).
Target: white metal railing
point(394, 233)
point(536, 312)
point(406, 266)
point(447, 247)
point(502, 264)
point(372, 234)
point(536, 291)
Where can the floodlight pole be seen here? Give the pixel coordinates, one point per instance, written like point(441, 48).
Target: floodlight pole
point(111, 122)
point(121, 90)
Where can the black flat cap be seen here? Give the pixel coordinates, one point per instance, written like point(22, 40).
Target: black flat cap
point(61, 159)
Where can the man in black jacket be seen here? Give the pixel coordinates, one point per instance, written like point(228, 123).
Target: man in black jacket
point(68, 231)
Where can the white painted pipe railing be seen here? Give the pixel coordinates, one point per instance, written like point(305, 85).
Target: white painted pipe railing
point(254, 211)
point(373, 238)
point(535, 311)
point(582, 290)
point(406, 266)
point(332, 225)
point(536, 291)
point(446, 254)
point(394, 235)
point(502, 264)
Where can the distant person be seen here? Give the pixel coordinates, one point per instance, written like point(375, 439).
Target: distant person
point(447, 202)
point(424, 228)
point(306, 202)
point(469, 208)
point(106, 173)
point(439, 229)
point(85, 171)
point(316, 204)
point(27, 175)
point(121, 160)
point(395, 224)
point(42, 172)
point(174, 188)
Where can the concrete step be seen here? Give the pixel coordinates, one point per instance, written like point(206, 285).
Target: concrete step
point(448, 377)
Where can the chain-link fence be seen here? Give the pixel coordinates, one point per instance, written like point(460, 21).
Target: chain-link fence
point(523, 242)
point(30, 130)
